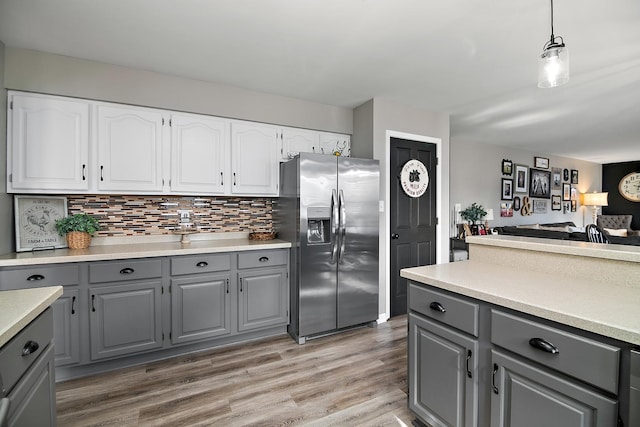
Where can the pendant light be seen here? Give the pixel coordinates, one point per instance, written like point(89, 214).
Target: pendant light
point(553, 64)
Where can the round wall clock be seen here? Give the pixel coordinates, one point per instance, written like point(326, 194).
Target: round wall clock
point(629, 187)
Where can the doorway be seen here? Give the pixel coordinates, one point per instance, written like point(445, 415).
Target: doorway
point(413, 217)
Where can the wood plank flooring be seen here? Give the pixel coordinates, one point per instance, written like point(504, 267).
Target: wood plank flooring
point(356, 378)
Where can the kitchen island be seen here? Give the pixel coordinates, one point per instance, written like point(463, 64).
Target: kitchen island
point(526, 327)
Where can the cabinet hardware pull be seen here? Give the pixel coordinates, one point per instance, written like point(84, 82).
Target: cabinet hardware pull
point(437, 307)
point(241, 284)
point(469, 358)
point(227, 285)
point(35, 277)
point(234, 178)
point(493, 379)
point(30, 347)
point(395, 236)
point(221, 179)
point(543, 345)
point(73, 305)
point(202, 264)
point(127, 270)
point(101, 175)
point(93, 303)
point(84, 177)
point(263, 259)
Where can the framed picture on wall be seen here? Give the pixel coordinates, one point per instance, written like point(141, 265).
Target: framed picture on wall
point(539, 206)
point(574, 176)
point(566, 207)
point(506, 209)
point(556, 178)
point(556, 202)
point(35, 218)
point(574, 205)
point(541, 162)
point(566, 191)
point(540, 183)
point(516, 203)
point(507, 167)
point(521, 178)
point(507, 189)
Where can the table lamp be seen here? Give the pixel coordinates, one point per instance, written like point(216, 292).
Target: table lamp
point(595, 200)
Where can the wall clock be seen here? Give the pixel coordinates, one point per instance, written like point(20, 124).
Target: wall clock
point(629, 187)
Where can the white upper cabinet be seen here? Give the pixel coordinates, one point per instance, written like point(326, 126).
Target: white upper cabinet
point(334, 143)
point(48, 144)
point(129, 149)
point(254, 160)
point(199, 155)
point(295, 141)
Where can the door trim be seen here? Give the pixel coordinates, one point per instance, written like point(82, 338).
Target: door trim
point(383, 317)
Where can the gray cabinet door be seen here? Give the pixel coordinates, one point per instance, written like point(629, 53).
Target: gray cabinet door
point(66, 327)
point(200, 308)
point(125, 318)
point(262, 298)
point(443, 374)
point(527, 396)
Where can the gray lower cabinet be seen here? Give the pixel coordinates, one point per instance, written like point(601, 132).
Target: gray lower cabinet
point(525, 395)
point(125, 318)
point(66, 323)
point(66, 327)
point(443, 382)
point(262, 298)
point(200, 307)
point(27, 377)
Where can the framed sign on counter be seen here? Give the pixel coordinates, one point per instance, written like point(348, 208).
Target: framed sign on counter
point(35, 222)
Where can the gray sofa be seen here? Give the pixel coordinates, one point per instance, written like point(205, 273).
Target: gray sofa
point(617, 222)
point(561, 231)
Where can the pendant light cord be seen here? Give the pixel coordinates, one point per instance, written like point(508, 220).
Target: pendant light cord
point(552, 37)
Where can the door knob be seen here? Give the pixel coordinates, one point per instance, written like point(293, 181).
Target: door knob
point(395, 236)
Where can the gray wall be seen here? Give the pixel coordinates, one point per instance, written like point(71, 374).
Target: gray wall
point(476, 177)
point(6, 201)
point(61, 75)
point(372, 122)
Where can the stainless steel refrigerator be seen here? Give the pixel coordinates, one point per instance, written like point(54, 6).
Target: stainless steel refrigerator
point(328, 210)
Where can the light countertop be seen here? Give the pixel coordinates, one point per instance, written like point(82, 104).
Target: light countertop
point(602, 308)
point(18, 308)
point(138, 250)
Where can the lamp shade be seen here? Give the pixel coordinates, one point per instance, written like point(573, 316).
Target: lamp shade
point(553, 66)
point(595, 199)
point(489, 215)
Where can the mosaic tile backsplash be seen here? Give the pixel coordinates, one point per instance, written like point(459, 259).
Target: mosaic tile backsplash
point(150, 215)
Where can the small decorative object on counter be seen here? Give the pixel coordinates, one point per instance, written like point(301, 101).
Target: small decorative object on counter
point(472, 214)
point(262, 235)
point(78, 229)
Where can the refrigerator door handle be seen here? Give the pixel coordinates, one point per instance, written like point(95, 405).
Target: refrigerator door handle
point(342, 225)
point(334, 226)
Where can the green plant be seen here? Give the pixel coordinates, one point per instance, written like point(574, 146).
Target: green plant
point(473, 213)
point(78, 222)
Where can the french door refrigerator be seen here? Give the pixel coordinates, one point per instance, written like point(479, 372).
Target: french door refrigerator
point(328, 210)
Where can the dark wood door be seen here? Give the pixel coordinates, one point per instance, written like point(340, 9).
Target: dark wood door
point(413, 219)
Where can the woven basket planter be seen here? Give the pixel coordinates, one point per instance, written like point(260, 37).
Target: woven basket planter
point(78, 240)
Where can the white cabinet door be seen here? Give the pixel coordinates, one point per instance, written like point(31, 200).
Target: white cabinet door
point(129, 149)
point(333, 143)
point(254, 160)
point(48, 145)
point(296, 141)
point(199, 153)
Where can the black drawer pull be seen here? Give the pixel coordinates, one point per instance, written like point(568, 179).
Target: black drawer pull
point(469, 354)
point(263, 259)
point(127, 270)
point(543, 345)
point(30, 347)
point(437, 307)
point(34, 277)
point(73, 305)
point(493, 379)
point(93, 303)
point(202, 264)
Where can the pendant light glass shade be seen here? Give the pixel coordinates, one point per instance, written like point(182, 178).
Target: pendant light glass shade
point(553, 64)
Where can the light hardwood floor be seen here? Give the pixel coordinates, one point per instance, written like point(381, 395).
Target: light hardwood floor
point(356, 378)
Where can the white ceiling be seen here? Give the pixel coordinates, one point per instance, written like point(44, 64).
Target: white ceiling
point(476, 60)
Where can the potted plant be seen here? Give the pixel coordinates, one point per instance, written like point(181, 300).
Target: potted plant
point(472, 214)
point(78, 229)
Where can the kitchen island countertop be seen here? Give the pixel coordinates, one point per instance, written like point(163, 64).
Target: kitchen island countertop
point(18, 308)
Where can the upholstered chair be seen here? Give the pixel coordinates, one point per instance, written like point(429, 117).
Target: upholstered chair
point(617, 222)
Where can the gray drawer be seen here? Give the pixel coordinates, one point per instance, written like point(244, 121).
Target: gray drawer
point(32, 340)
point(251, 259)
point(39, 275)
point(582, 358)
point(459, 313)
point(200, 264)
point(114, 271)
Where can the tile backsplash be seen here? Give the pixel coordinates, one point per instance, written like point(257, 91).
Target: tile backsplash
point(122, 215)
